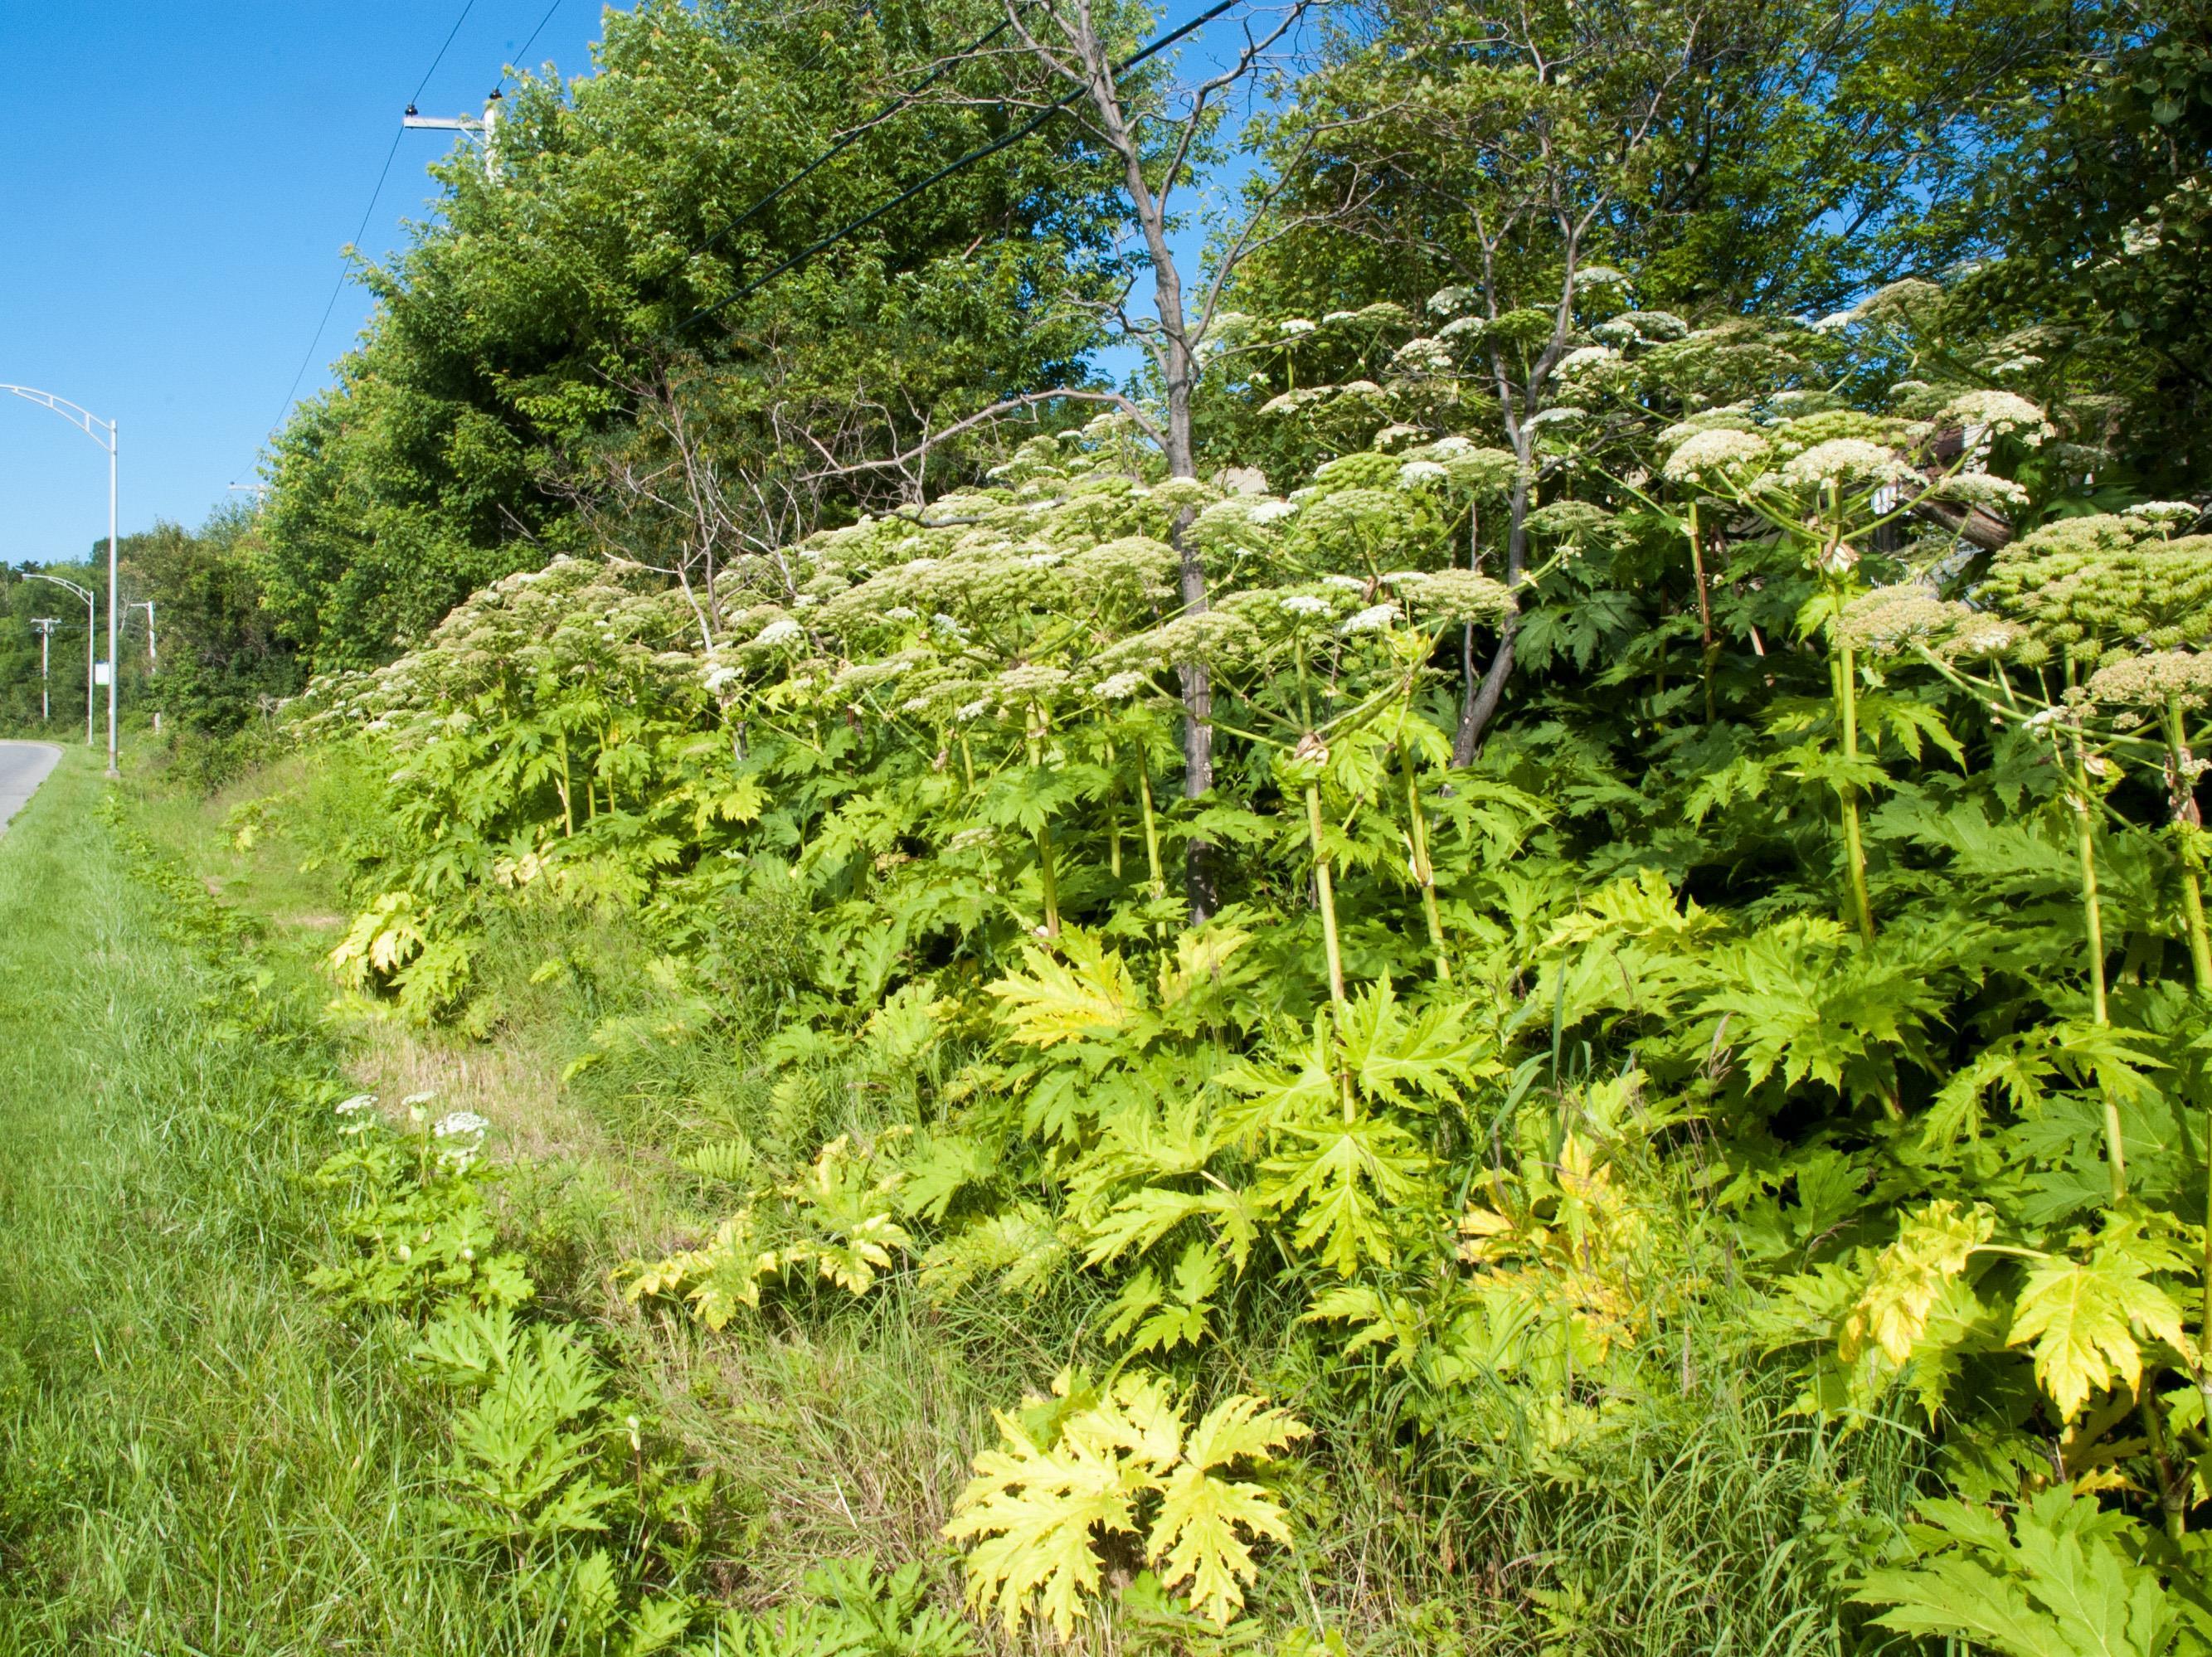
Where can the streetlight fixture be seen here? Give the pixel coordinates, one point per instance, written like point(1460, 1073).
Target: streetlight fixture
point(91, 602)
point(89, 424)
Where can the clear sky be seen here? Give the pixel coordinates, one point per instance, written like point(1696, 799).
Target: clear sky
point(176, 181)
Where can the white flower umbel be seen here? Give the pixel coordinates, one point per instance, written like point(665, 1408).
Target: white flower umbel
point(1421, 474)
point(1998, 413)
point(1984, 489)
point(1119, 687)
point(1584, 358)
point(1844, 460)
point(1376, 618)
point(1704, 456)
point(454, 1124)
point(1304, 604)
point(781, 631)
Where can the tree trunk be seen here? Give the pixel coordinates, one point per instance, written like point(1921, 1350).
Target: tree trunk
point(1480, 701)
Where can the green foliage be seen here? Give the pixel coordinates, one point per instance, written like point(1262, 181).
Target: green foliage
point(411, 1204)
point(1693, 911)
point(1076, 1470)
point(2062, 1579)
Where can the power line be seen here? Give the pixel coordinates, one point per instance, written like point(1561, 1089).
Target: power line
point(440, 57)
point(906, 96)
point(337, 288)
point(382, 173)
point(946, 172)
point(524, 54)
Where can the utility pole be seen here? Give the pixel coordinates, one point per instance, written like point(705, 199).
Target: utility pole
point(91, 602)
point(46, 624)
point(153, 655)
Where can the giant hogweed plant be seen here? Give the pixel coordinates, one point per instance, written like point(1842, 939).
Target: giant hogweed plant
point(1762, 895)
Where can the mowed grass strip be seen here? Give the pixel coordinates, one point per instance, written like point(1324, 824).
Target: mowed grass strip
point(194, 1456)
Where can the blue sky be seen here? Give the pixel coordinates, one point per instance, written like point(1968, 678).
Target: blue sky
point(175, 184)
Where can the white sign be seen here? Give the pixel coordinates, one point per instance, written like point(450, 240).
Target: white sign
point(101, 673)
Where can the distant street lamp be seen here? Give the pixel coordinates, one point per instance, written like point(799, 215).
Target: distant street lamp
point(88, 422)
point(91, 602)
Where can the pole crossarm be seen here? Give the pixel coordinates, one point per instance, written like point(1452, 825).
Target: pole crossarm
point(85, 594)
point(75, 414)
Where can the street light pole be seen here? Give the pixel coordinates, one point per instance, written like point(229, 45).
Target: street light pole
point(88, 422)
point(46, 624)
point(91, 602)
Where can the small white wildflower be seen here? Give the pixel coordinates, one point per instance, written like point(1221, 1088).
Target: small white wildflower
point(1304, 604)
point(456, 1123)
point(357, 1103)
point(1373, 619)
point(414, 1099)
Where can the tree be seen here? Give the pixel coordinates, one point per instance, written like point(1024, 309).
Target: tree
point(1726, 156)
point(609, 246)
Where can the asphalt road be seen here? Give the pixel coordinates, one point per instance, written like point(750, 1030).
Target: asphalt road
point(23, 767)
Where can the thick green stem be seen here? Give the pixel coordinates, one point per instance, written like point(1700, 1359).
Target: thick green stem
point(1158, 882)
point(568, 786)
point(2173, 1481)
point(2179, 762)
point(1847, 705)
point(1711, 651)
point(2092, 922)
point(1113, 817)
point(1325, 894)
point(1049, 881)
point(1425, 872)
point(1048, 876)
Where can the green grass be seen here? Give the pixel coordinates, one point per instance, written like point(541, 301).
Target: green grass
point(194, 1456)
